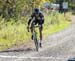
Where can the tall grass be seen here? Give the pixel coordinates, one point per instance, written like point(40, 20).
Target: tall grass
point(56, 22)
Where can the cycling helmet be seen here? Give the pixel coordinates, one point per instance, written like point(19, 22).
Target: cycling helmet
point(36, 10)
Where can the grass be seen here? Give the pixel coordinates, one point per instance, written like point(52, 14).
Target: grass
point(56, 22)
point(55, 28)
point(12, 33)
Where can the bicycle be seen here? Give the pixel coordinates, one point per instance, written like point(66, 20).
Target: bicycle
point(34, 33)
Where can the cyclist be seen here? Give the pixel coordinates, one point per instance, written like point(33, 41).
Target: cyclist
point(38, 18)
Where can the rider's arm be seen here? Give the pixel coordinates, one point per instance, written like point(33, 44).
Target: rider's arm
point(30, 19)
point(42, 18)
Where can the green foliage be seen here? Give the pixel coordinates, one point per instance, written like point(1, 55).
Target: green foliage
point(17, 8)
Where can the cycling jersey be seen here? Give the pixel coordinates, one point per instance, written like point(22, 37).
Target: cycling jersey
point(36, 20)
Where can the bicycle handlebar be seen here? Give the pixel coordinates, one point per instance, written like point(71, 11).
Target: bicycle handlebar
point(33, 27)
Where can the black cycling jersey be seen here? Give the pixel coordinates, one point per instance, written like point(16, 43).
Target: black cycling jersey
point(40, 15)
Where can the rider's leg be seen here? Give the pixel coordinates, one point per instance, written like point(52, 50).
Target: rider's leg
point(40, 30)
point(31, 32)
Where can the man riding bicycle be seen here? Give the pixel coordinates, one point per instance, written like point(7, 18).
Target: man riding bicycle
point(38, 18)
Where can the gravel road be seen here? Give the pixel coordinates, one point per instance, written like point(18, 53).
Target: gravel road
point(57, 47)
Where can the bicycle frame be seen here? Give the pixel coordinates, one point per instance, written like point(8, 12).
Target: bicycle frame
point(35, 37)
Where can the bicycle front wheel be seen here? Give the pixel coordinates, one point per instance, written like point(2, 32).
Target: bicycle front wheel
point(35, 41)
point(36, 44)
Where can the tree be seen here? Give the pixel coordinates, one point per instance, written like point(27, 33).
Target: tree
point(7, 8)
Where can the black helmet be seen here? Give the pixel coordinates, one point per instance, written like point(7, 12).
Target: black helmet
point(36, 10)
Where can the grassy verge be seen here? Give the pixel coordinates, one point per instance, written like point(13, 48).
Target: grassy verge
point(56, 28)
point(56, 22)
point(12, 34)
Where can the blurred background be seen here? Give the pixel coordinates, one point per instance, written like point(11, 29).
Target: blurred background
point(15, 8)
